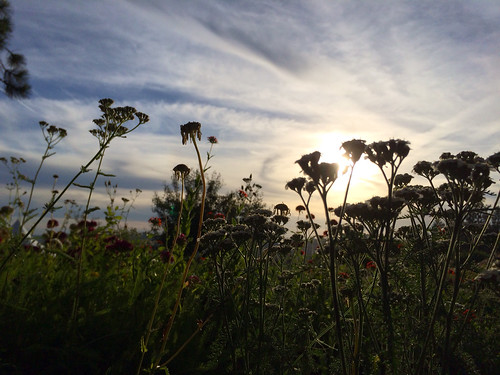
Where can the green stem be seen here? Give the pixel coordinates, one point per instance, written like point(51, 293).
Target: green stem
point(190, 260)
point(83, 169)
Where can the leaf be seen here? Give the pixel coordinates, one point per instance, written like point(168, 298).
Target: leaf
point(144, 349)
point(106, 174)
point(48, 156)
point(92, 210)
point(82, 186)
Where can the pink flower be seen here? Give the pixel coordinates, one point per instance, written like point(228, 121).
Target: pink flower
point(212, 140)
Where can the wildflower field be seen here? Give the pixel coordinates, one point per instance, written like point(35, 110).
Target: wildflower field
point(404, 283)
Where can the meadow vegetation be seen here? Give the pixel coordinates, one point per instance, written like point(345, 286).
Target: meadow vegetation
point(403, 283)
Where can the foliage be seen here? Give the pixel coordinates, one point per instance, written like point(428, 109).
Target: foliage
point(404, 283)
point(14, 75)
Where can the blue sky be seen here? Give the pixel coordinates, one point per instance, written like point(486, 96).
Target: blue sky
point(272, 80)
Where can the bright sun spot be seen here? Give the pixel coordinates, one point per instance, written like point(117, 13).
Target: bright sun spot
point(331, 152)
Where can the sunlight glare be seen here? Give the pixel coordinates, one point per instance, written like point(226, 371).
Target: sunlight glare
point(331, 152)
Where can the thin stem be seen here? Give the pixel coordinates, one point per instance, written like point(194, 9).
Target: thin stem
point(162, 283)
point(51, 205)
point(190, 260)
point(84, 237)
point(33, 182)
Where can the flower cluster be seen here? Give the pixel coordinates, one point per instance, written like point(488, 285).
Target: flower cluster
point(155, 221)
point(212, 140)
point(354, 149)
point(117, 245)
point(388, 152)
point(325, 173)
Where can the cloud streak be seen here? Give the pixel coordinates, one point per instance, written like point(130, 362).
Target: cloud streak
point(270, 81)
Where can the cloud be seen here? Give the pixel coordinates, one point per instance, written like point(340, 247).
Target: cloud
point(270, 81)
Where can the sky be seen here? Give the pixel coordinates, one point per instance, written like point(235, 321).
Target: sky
point(272, 80)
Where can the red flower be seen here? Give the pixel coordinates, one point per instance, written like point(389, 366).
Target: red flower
point(219, 215)
point(155, 221)
point(243, 194)
point(371, 264)
point(52, 223)
point(471, 314)
point(451, 271)
point(90, 225)
point(166, 256)
point(194, 279)
point(212, 140)
point(181, 240)
point(343, 275)
point(120, 246)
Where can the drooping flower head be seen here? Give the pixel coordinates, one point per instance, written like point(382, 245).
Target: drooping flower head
point(300, 208)
point(181, 171)
point(282, 209)
point(309, 165)
point(190, 131)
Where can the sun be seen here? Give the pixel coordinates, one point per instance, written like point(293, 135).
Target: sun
point(331, 152)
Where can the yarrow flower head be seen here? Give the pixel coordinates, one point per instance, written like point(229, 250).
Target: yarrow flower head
point(425, 169)
point(325, 173)
point(213, 140)
point(387, 152)
point(190, 131)
point(354, 149)
point(297, 184)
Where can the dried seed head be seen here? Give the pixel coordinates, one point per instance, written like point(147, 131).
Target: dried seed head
point(190, 131)
point(181, 171)
point(282, 209)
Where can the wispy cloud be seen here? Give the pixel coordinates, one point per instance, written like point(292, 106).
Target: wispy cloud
point(270, 80)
